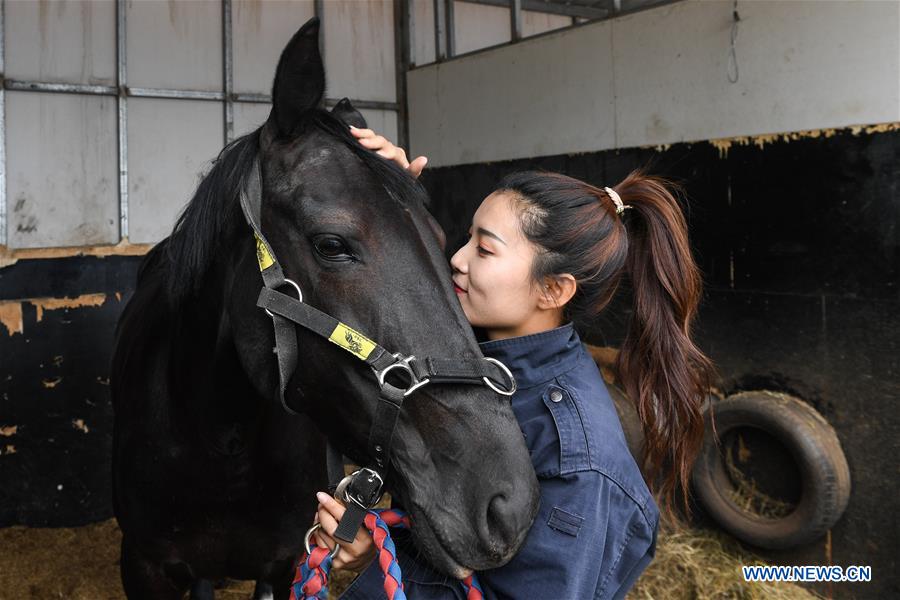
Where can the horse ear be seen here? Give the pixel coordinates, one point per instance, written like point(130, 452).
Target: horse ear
point(344, 111)
point(299, 79)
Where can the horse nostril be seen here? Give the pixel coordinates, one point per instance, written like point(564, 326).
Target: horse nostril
point(501, 524)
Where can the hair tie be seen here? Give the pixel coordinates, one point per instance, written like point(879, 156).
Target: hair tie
point(620, 208)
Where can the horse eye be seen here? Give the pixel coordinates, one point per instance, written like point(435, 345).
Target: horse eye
point(331, 248)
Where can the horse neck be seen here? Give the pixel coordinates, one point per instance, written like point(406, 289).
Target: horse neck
point(203, 361)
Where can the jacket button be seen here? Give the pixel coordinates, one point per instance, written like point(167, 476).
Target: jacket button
point(555, 396)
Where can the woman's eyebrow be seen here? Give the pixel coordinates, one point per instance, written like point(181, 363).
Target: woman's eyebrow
point(490, 234)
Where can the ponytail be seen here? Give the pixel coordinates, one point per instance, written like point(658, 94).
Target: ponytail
point(662, 370)
point(637, 230)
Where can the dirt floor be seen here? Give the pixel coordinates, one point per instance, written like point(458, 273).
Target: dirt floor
point(82, 564)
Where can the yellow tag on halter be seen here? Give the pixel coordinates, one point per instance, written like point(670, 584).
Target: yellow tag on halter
point(351, 340)
point(263, 257)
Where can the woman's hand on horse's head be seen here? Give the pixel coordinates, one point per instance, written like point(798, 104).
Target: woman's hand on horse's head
point(354, 557)
point(384, 147)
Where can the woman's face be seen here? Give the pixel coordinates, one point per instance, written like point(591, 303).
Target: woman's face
point(492, 272)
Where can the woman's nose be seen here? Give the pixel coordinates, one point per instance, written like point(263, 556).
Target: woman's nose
point(457, 264)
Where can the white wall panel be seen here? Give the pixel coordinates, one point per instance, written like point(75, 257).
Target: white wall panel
point(62, 180)
point(249, 115)
point(658, 77)
point(359, 49)
point(175, 44)
point(479, 26)
point(170, 144)
point(61, 42)
point(526, 99)
point(424, 31)
point(261, 30)
point(534, 23)
point(802, 65)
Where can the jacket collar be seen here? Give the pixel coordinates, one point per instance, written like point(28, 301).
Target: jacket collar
point(536, 358)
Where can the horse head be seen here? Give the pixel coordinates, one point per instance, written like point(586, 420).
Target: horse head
point(352, 230)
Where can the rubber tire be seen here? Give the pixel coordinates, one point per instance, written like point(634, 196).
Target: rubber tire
point(825, 486)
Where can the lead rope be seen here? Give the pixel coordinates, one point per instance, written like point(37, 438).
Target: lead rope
point(311, 578)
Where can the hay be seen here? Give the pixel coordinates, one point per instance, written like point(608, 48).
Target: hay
point(745, 494)
point(697, 563)
point(82, 564)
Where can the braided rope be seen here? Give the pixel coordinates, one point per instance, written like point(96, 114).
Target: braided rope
point(311, 578)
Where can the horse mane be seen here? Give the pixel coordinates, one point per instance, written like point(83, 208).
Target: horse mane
point(211, 218)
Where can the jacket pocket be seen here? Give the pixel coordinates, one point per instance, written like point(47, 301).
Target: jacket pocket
point(565, 522)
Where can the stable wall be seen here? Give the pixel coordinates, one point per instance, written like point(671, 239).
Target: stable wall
point(61, 169)
point(661, 76)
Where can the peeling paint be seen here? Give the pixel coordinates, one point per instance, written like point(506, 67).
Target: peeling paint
point(9, 449)
point(79, 424)
point(9, 256)
point(11, 317)
point(51, 383)
point(81, 301)
point(724, 144)
point(8, 430)
point(103, 380)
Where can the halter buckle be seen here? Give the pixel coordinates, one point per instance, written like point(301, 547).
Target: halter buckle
point(372, 485)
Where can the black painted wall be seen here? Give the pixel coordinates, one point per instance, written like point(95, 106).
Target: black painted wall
point(800, 245)
point(54, 389)
point(799, 242)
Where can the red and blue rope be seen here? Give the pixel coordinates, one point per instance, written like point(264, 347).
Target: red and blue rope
point(311, 578)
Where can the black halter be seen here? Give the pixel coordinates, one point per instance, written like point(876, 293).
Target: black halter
point(363, 489)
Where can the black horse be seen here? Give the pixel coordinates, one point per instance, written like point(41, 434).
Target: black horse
point(211, 477)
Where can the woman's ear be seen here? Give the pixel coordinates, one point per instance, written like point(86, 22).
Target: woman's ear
point(557, 291)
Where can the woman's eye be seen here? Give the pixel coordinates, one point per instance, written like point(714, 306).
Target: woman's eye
point(331, 248)
point(482, 250)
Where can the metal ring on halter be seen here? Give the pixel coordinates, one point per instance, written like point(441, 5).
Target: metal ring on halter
point(403, 363)
point(296, 287)
point(312, 530)
point(506, 370)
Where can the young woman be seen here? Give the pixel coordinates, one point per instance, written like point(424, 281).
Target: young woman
point(545, 256)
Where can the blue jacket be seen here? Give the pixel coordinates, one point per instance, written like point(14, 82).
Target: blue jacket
point(595, 531)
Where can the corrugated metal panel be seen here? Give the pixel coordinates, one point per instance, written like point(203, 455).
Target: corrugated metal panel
point(73, 42)
point(261, 30)
point(359, 49)
point(170, 143)
point(61, 170)
point(248, 116)
point(175, 45)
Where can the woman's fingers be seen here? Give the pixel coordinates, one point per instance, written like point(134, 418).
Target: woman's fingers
point(417, 165)
point(331, 506)
point(361, 132)
point(355, 555)
point(385, 148)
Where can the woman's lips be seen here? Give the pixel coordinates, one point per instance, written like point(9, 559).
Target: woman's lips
point(458, 289)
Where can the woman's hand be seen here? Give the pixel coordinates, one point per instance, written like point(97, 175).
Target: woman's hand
point(384, 147)
point(354, 557)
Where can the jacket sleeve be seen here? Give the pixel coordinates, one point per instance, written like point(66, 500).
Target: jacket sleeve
point(589, 540)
